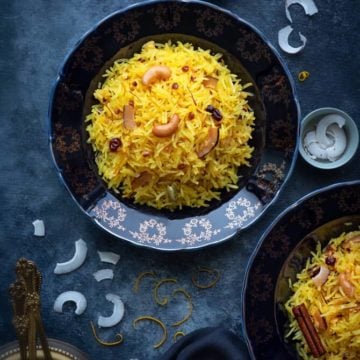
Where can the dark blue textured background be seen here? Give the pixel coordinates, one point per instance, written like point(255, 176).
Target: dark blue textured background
point(35, 36)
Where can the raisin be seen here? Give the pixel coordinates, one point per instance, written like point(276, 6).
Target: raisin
point(216, 114)
point(210, 108)
point(191, 115)
point(114, 144)
point(185, 68)
point(330, 260)
point(175, 86)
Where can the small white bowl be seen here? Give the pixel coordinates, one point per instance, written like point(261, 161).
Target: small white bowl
point(352, 137)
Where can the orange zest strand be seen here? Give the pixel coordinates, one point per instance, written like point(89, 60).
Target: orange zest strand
point(303, 75)
point(157, 321)
point(188, 297)
point(119, 338)
point(165, 300)
point(140, 277)
point(177, 335)
point(213, 272)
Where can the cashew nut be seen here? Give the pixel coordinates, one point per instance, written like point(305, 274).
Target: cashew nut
point(210, 82)
point(156, 73)
point(346, 286)
point(167, 129)
point(353, 240)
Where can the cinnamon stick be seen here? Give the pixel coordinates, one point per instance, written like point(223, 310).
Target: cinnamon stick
point(312, 329)
point(306, 326)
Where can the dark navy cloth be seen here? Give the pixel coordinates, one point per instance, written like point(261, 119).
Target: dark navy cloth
point(212, 343)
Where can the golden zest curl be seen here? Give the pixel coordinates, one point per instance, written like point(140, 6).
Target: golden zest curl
point(119, 337)
point(165, 300)
point(157, 321)
point(303, 75)
point(188, 297)
point(212, 272)
point(140, 277)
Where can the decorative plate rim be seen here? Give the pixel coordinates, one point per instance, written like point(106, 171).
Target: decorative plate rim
point(55, 345)
point(275, 53)
point(259, 244)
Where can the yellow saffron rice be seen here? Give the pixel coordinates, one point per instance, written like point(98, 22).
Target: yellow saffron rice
point(339, 309)
point(176, 176)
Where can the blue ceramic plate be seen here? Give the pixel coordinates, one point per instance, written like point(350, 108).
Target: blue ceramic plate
point(246, 52)
point(282, 253)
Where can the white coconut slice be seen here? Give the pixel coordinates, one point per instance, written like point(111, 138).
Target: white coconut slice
point(337, 149)
point(310, 138)
point(312, 146)
point(116, 316)
point(283, 39)
point(76, 261)
point(328, 141)
point(104, 274)
point(74, 296)
point(320, 278)
point(309, 7)
point(109, 257)
point(322, 126)
point(39, 227)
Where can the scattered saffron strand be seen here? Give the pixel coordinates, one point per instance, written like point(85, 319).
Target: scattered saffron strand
point(133, 94)
point(303, 75)
point(192, 96)
point(165, 300)
point(157, 321)
point(111, 112)
point(188, 297)
point(209, 271)
point(119, 338)
point(140, 277)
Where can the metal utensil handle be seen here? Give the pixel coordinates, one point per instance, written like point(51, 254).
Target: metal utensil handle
point(25, 296)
